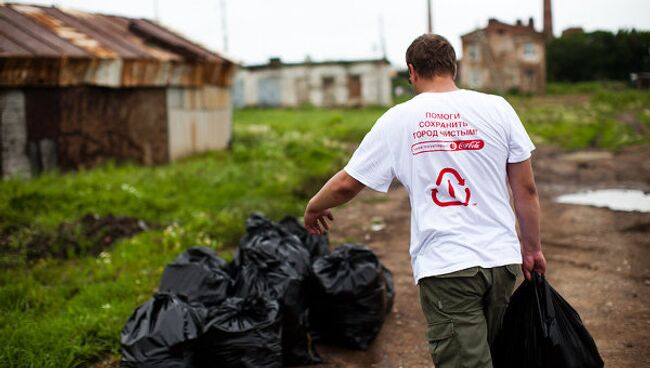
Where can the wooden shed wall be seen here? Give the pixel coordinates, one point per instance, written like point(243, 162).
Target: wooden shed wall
point(82, 126)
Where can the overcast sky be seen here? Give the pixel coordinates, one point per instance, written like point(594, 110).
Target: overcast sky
point(350, 29)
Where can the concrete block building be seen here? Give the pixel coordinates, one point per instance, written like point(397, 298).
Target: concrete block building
point(324, 84)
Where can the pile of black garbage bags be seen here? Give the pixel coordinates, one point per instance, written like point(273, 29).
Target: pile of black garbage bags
point(282, 292)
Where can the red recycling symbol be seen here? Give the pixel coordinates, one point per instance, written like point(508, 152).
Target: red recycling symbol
point(450, 189)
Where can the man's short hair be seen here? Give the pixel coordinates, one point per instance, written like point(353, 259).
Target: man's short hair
point(432, 55)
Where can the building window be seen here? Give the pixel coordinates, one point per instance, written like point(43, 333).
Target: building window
point(473, 53)
point(530, 51)
point(475, 78)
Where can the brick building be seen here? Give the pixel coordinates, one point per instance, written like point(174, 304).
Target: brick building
point(503, 57)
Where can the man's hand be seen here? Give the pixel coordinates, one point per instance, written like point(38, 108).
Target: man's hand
point(315, 219)
point(533, 262)
point(338, 190)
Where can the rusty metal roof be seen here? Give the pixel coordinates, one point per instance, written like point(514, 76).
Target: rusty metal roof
point(30, 30)
point(48, 40)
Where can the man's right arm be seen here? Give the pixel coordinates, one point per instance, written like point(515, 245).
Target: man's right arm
point(338, 190)
point(526, 200)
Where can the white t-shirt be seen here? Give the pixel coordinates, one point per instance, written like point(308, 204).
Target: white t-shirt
point(449, 150)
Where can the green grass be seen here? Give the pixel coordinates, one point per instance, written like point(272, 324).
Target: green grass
point(586, 115)
point(336, 124)
point(561, 88)
point(67, 313)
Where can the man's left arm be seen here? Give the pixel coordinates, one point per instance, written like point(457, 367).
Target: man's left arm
point(340, 189)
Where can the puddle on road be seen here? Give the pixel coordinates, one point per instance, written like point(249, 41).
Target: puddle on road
point(615, 199)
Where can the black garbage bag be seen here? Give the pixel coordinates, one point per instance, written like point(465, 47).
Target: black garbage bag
point(541, 330)
point(160, 333)
point(352, 304)
point(317, 245)
point(242, 333)
point(279, 243)
point(390, 289)
point(199, 275)
point(264, 270)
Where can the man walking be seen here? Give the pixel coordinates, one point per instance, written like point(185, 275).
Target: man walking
point(455, 151)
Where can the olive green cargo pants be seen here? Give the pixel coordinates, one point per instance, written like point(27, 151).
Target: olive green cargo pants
point(464, 311)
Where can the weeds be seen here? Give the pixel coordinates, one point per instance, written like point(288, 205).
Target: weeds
point(582, 121)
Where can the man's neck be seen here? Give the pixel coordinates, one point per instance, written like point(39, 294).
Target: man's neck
point(436, 84)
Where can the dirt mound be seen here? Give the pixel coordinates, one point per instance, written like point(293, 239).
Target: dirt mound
point(90, 235)
point(559, 172)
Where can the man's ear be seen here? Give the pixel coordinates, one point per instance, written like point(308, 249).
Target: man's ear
point(412, 73)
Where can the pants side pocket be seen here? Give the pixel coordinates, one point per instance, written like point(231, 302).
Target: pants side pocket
point(442, 344)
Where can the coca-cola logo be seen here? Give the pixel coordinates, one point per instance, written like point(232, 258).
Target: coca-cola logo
point(470, 145)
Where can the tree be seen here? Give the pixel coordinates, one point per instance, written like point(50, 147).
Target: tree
point(599, 55)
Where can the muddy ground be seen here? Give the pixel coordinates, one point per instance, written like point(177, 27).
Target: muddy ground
point(598, 259)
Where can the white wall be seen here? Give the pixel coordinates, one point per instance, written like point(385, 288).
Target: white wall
point(199, 120)
point(375, 83)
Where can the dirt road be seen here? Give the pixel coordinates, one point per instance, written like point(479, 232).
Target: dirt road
point(598, 259)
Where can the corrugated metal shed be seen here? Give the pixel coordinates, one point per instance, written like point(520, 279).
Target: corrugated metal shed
point(50, 46)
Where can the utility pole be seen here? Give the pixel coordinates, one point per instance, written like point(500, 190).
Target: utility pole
point(224, 26)
point(156, 11)
point(382, 36)
point(429, 17)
